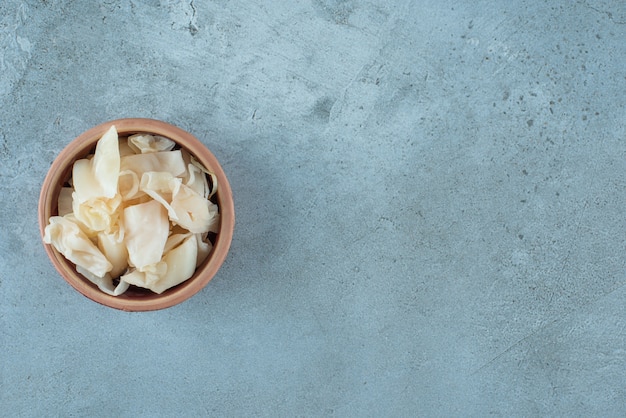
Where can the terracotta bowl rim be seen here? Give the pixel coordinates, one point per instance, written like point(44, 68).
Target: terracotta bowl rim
point(58, 173)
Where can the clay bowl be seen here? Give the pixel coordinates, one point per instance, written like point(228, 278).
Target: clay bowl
point(135, 298)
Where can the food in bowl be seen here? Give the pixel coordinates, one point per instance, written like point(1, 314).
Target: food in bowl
point(138, 211)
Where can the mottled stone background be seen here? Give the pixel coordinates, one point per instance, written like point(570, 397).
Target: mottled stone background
point(430, 207)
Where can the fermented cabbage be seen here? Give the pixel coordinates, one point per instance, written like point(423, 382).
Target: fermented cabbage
point(138, 212)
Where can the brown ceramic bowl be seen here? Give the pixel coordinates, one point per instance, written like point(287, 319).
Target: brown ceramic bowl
point(137, 299)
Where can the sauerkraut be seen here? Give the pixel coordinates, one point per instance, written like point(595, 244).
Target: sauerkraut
point(138, 212)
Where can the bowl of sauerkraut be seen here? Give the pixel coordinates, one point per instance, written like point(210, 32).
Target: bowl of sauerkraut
point(136, 214)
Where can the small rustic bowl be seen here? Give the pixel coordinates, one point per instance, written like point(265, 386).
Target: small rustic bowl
point(137, 299)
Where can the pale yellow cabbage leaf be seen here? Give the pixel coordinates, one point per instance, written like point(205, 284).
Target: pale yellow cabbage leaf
point(204, 249)
point(98, 214)
point(97, 177)
point(114, 249)
point(146, 143)
point(170, 161)
point(211, 190)
point(195, 213)
point(185, 207)
point(128, 185)
point(104, 283)
point(68, 239)
point(196, 181)
point(178, 264)
point(146, 229)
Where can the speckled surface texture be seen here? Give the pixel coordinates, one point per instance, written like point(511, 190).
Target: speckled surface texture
point(430, 207)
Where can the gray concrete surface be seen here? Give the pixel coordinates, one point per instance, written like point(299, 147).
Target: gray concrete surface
point(430, 207)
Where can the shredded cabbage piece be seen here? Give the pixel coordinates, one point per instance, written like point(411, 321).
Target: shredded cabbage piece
point(146, 230)
point(104, 283)
point(128, 185)
point(97, 177)
point(68, 239)
point(145, 143)
point(193, 212)
point(177, 265)
point(170, 161)
point(97, 214)
point(185, 207)
point(202, 168)
point(196, 180)
point(114, 249)
point(204, 249)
